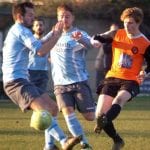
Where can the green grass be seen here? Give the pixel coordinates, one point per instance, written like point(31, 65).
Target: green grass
point(133, 125)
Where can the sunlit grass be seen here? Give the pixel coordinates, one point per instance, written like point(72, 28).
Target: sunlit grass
point(133, 124)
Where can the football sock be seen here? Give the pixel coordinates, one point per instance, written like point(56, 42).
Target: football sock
point(110, 130)
point(113, 112)
point(49, 139)
point(74, 127)
point(55, 131)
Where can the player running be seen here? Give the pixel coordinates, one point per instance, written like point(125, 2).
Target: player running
point(121, 84)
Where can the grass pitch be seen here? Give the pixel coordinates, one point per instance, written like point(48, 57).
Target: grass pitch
point(133, 124)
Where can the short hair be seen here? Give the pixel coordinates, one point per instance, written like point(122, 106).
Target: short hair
point(134, 12)
point(39, 19)
point(67, 7)
point(21, 8)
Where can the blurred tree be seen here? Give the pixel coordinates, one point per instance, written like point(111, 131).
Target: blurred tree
point(99, 9)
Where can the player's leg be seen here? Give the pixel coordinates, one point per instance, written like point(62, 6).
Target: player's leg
point(103, 105)
point(54, 129)
point(27, 97)
point(67, 106)
point(40, 79)
point(107, 92)
point(66, 103)
point(111, 132)
point(86, 106)
point(121, 98)
point(128, 90)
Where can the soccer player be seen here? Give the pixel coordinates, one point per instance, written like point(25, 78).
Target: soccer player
point(70, 75)
point(38, 66)
point(18, 43)
point(121, 84)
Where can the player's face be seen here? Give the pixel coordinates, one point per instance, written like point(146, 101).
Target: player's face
point(131, 26)
point(66, 17)
point(28, 18)
point(38, 27)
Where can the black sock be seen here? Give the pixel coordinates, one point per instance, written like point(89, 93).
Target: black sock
point(110, 130)
point(113, 112)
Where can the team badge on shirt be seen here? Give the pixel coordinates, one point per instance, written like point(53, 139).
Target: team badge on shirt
point(134, 50)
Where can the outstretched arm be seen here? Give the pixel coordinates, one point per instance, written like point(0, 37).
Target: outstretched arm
point(52, 40)
point(86, 40)
point(106, 37)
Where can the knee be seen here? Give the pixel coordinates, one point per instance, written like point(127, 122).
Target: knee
point(54, 110)
point(68, 110)
point(119, 101)
point(89, 116)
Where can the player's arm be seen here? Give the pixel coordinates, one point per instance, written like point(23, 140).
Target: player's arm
point(106, 37)
point(52, 40)
point(83, 38)
point(47, 36)
point(145, 73)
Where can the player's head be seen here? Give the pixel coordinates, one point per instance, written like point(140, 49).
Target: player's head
point(38, 27)
point(66, 15)
point(24, 13)
point(132, 18)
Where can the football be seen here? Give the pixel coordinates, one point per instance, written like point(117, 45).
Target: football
point(40, 119)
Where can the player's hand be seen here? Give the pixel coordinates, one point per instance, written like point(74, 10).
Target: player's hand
point(58, 28)
point(141, 77)
point(76, 35)
point(95, 43)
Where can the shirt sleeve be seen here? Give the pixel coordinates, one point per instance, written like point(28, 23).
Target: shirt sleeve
point(85, 40)
point(47, 36)
point(106, 37)
point(30, 41)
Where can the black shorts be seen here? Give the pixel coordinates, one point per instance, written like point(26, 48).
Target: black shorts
point(111, 86)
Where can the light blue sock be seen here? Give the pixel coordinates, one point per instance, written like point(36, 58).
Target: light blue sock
point(75, 127)
point(49, 139)
point(56, 132)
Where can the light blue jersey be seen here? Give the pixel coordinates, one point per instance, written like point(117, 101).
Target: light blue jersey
point(37, 62)
point(18, 43)
point(68, 59)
